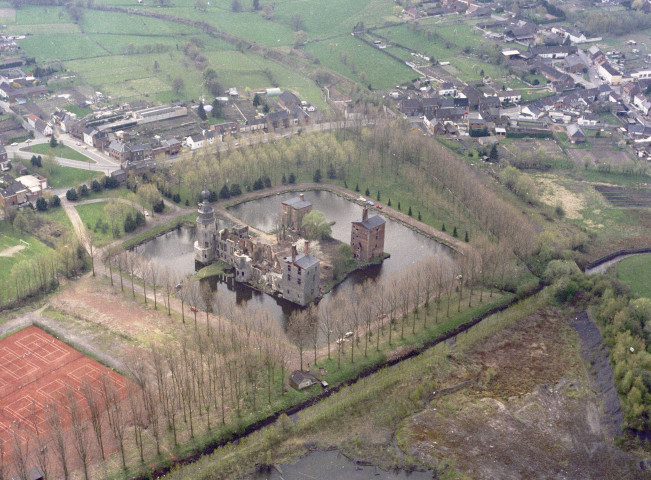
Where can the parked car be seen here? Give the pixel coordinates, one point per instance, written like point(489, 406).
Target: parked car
point(194, 309)
point(379, 206)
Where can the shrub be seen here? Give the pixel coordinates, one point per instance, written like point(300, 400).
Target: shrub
point(41, 204)
point(71, 195)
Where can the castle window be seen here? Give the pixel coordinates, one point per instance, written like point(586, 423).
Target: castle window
point(299, 271)
point(299, 281)
point(289, 278)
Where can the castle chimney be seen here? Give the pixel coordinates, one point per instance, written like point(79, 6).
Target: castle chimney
point(307, 247)
point(293, 253)
point(301, 196)
point(365, 215)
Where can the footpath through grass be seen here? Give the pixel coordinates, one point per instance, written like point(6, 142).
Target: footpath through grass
point(636, 272)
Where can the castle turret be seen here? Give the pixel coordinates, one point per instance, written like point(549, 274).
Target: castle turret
point(204, 247)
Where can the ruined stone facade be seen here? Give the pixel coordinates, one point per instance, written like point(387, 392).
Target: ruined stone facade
point(301, 273)
point(255, 262)
point(367, 237)
point(294, 210)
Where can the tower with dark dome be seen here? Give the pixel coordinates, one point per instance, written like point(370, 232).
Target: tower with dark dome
point(204, 247)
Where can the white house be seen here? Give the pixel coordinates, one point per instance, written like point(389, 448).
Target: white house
point(447, 88)
point(589, 120)
point(609, 74)
point(642, 103)
point(509, 96)
point(641, 74)
point(197, 141)
point(531, 112)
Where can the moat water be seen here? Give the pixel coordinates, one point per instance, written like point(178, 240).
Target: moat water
point(406, 247)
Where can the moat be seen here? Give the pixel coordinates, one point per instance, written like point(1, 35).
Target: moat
point(406, 246)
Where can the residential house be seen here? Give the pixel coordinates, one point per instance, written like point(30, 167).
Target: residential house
point(300, 380)
point(12, 192)
point(89, 133)
point(642, 104)
point(197, 141)
point(509, 96)
point(447, 88)
point(594, 52)
point(119, 150)
point(531, 112)
point(589, 120)
point(435, 126)
point(473, 95)
point(411, 107)
point(5, 163)
point(610, 74)
point(367, 236)
point(278, 120)
point(294, 210)
point(43, 128)
point(575, 64)
point(563, 83)
point(555, 51)
point(642, 74)
point(629, 90)
point(575, 134)
point(11, 94)
point(31, 120)
point(140, 152)
point(300, 277)
point(288, 100)
point(522, 32)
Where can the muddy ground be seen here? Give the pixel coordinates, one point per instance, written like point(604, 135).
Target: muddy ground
point(532, 413)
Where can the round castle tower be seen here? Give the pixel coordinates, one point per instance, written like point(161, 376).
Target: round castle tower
point(204, 247)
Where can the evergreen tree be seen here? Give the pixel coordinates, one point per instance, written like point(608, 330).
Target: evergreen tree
point(493, 155)
point(454, 233)
point(368, 192)
point(345, 184)
point(443, 228)
point(41, 204)
point(389, 203)
point(419, 217)
point(284, 180)
point(235, 190)
point(212, 197)
point(216, 109)
point(53, 142)
point(292, 178)
point(399, 206)
point(201, 111)
point(267, 181)
point(466, 239)
point(96, 186)
point(409, 213)
point(378, 196)
point(317, 176)
point(331, 171)
point(224, 193)
point(71, 195)
point(55, 201)
point(357, 187)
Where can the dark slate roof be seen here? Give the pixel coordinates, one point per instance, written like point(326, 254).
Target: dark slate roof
point(297, 203)
point(288, 98)
point(13, 189)
point(373, 222)
point(574, 130)
point(303, 261)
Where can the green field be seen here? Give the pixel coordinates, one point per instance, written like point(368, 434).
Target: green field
point(636, 271)
point(62, 177)
point(91, 213)
point(11, 238)
point(60, 151)
point(379, 70)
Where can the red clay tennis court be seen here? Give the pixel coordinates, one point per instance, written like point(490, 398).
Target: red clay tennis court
point(36, 370)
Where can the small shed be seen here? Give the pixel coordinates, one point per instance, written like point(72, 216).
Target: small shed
point(575, 134)
point(300, 380)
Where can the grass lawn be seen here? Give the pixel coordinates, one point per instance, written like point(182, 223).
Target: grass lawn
point(62, 177)
point(100, 224)
point(636, 271)
point(79, 111)
point(60, 151)
point(11, 238)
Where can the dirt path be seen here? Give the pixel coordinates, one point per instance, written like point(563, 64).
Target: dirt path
point(11, 251)
point(78, 226)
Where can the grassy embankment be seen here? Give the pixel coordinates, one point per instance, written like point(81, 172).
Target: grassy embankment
point(636, 271)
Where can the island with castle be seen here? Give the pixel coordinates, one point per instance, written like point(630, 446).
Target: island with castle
point(287, 266)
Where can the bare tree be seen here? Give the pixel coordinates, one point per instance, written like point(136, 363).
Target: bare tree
point(326, 322)
point(115, 413)
point(298, 330)
point(20, 452)
point(41, 444)
point(154, 277)
point(56, 436)
point(79, 430)
point(95, 409)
